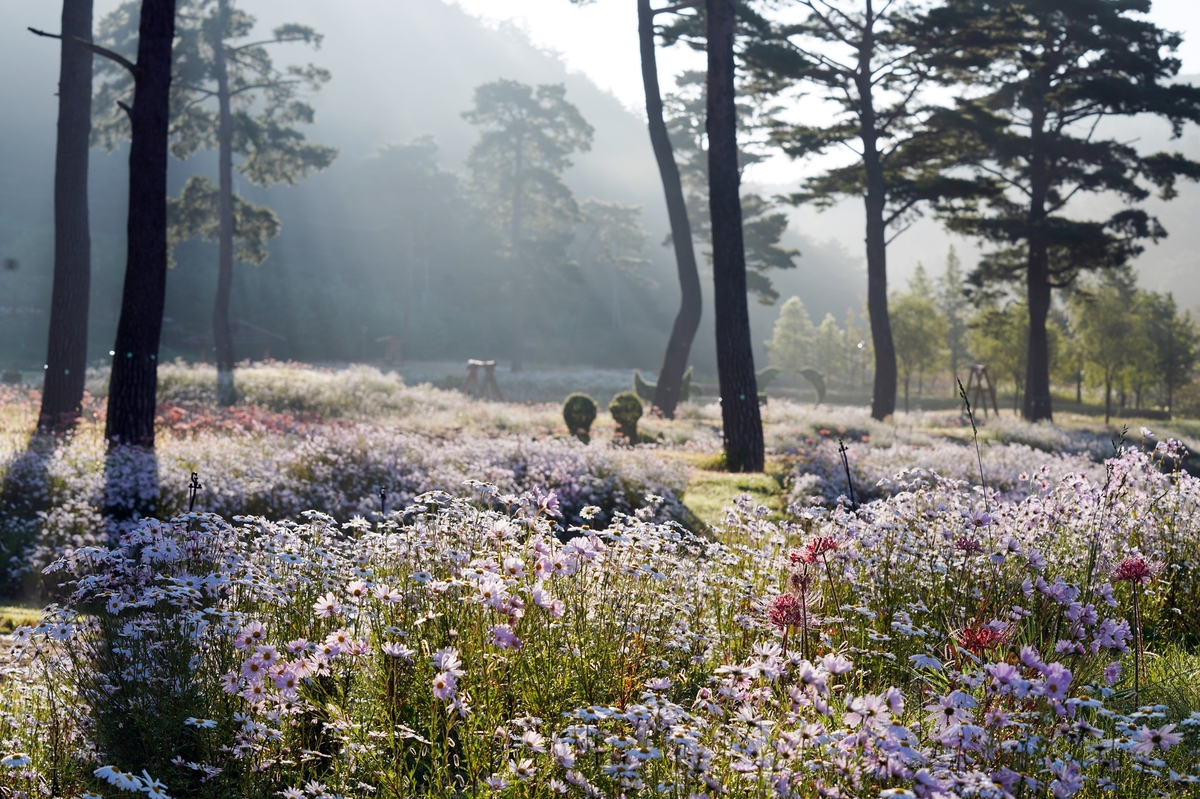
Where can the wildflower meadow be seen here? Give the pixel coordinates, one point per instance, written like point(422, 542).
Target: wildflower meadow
point(524, 615)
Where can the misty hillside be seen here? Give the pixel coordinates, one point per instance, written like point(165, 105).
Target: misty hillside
point(338, 266)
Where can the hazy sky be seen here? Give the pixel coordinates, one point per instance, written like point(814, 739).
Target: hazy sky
point(600, 39)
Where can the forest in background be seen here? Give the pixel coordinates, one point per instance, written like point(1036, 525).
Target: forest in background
point(342, 262)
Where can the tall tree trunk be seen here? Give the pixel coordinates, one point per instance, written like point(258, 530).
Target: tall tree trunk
point(66, 351)
point(516, 235)
point(1037, 278)
point(687, 321)
point(1079, 388)
point(1107, 399)
point(222, 333)
point(134, 377)
point(906, 394)
point(735, 356)
point(1037, 375)
point(883, 399)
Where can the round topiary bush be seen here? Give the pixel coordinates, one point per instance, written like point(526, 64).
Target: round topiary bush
point(626, 409)
point(579, 411)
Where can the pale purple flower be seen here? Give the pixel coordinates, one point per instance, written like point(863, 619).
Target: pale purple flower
point(444, 685)
point(327, 606)
point(1148, 740)
point(504, 637)
point(398, 650)
point(1112, 672)
point(1057, 681)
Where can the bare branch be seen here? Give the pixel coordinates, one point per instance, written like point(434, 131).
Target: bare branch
point(95, 48)
point(125, 107)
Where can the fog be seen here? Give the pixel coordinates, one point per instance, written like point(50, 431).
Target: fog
point(341, 275)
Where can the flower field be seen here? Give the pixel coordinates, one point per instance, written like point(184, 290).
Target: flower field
point(527, 618)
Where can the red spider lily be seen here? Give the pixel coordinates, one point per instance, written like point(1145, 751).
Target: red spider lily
point(964, 544)
point(817, 547)
point(785, 611)
point(1134, 570)
point(978, 640)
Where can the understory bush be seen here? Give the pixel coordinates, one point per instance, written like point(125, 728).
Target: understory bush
point(943, 641)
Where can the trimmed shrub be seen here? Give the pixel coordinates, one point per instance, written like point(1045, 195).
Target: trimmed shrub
point(579, 411)
point(626, 409)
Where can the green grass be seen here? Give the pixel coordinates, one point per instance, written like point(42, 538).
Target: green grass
point(711, 490)
point(1172, 679)
point(13, 616)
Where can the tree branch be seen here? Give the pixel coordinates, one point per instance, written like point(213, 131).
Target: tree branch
point(95, 48)
point(898, 233)
point(675, 9)
point(267, 85)
point(192, 88)
point(248, 45)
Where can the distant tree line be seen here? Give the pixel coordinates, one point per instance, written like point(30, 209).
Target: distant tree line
point(1133, 347)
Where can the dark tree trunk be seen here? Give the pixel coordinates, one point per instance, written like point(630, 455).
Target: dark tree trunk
point(883, 398)
point(687, 321)
point(1107, 399)
point(222, 334)
point(906, 395)
point(1037, 375)
point(735, 356)
point(1037, 278)
point(135, 362)
point(1079, 388)
point(66, 351)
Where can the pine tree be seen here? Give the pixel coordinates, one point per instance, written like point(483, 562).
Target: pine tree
point(66, 350)
point(860, 55)
point(257, 109)
point(741, 422)
point(1044, 74)
point(792, 345)
point(134, 379)
point(526, 138)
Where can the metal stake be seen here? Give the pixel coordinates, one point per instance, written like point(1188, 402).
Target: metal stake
point(846, 463)
point(193, 488)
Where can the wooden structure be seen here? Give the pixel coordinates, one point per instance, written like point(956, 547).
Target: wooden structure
point(245, 335)
point(395, 349)
point(488, 389)
point(980, 382)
